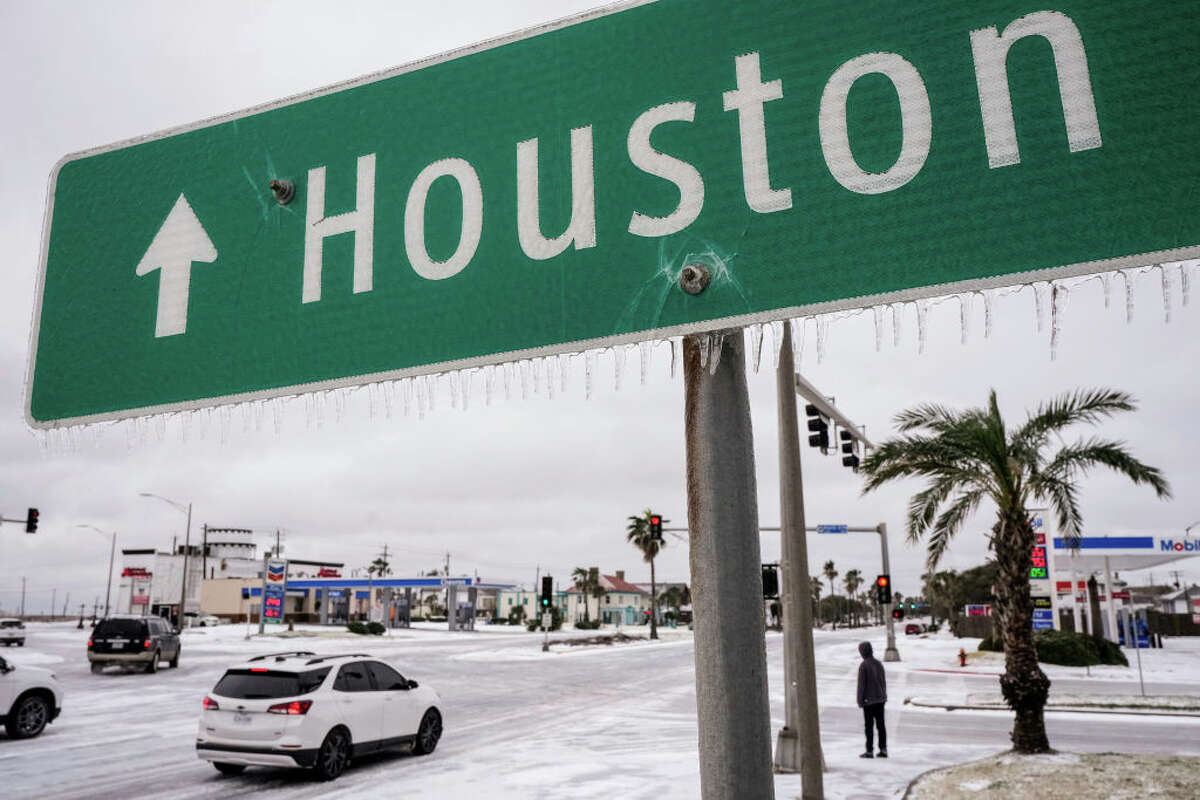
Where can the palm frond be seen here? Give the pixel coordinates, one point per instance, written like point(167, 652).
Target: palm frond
point(949, 522)
point(932, 416)
point(1082, 456)
point(1063, 497)
point(1081, 406)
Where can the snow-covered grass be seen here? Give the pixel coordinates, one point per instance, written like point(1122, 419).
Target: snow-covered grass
point(1064, 776)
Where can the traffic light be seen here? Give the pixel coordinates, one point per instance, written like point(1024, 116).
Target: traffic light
point(31, 521)
point(547, 595)
point(818, 428)
point(656, 522)
point(898, 613)
point(883, 589)
point(849, 446)
point(770, 581)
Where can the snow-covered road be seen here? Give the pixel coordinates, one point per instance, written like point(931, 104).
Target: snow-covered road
point(613, 721)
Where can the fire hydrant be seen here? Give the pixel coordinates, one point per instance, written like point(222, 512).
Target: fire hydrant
point(962, 657)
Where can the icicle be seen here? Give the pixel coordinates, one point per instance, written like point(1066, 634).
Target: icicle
point(797, 342)
point(988, 296)
point(535, 372)
point(822, 333)
point(489, 383)
point(1106, 282)
point(922, 312)
point(422, 392)
point(676, 354)
point(877, 312)
point(1128, 277)
point(705, 343)
point(454, 390)
point(549, 362)
point(964, 315)
point(1039, 301)
point(589, 369)
point(524, 365)
point(507, 367)
point(896, 309)
point(564, 366)
point(1166, 292)
point(431, 386)
point(1185, 281)
point(756, 337)
point(466, 388)
point(718, 344)
point(406, 390)
point(776, 341)
point(1058, 300)
point(645, 350)
point(619, 354)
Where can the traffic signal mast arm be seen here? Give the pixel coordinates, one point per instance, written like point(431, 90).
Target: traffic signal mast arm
point(830, 411)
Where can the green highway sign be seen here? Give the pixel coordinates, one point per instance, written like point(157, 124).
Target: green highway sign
point(543, 193)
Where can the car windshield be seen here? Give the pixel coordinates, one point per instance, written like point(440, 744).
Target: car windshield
point(131, 628)
point(10, 623)
point(250, 684)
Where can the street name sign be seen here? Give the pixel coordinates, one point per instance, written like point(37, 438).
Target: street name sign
point(543, 193)
point(833, 529)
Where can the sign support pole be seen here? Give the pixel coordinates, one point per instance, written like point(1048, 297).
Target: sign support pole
point(891, 653)
point(798, 744)
point(732, 703)
point(262, 606)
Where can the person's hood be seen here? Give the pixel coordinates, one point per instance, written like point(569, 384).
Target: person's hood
point(864, 650)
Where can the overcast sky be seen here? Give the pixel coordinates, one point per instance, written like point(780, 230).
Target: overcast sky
point(522, 484)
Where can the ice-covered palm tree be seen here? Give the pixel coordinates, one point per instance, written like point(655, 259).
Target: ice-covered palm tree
point(971, 457)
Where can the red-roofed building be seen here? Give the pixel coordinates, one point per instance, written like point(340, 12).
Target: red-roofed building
point(622, 602)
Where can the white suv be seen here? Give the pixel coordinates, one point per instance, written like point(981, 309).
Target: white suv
point(299, 709)
point(30, 699)
point(12, 631)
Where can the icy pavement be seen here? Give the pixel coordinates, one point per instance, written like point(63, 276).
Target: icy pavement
point(594, 720)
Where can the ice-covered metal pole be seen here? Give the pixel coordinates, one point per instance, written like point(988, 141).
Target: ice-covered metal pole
point(732, 704)
point(798, 745)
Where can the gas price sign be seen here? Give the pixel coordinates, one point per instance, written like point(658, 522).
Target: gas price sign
point(1038, 570)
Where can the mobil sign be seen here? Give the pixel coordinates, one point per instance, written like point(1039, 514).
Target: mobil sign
point(1179, 545)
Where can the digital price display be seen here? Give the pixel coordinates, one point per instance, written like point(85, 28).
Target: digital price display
point(1038, 570)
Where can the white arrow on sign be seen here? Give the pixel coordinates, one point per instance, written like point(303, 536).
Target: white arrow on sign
point(180, 241)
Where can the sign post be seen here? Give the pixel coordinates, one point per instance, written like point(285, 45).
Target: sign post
point(274, 595)
point(417, 221)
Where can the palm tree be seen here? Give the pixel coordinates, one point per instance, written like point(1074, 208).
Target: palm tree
point(852, 580)
point(831, 573)
point(971, 456)
point(581, 577)
point(639, 534)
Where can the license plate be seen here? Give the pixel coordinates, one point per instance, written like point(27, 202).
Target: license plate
point(117, 645)
point(241, 718)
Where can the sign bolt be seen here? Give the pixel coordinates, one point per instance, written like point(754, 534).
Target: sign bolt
point(694, 278)
point(284, 191)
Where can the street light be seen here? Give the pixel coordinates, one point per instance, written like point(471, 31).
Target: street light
point(1188, 529)
point(187, 546)
point(111, 553)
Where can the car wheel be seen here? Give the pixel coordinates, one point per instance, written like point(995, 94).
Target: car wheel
point(97, 667)
point(229, 769)
point(429, 733)
point(21, 643)
point(333, 755)
point(174, 662)
point(28, 718)
point(153, 665)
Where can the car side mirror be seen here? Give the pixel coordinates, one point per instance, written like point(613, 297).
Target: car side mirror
point(5, 668)
point(412, 684)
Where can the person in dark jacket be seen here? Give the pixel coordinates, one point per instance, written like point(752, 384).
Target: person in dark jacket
point(872, 695)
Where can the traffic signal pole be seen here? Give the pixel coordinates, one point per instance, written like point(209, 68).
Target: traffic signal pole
point(798, 745)
point(732, 704)
point(891, 653)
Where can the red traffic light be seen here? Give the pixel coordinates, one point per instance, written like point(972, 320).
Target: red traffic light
point(881, 581)
point(655, 520)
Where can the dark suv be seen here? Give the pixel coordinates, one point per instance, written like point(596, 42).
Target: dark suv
point(134, 641)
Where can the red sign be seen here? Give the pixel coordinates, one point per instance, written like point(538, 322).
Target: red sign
point(328, 572)
point(1124, 595)
point(1041, 538)
point(135, 572)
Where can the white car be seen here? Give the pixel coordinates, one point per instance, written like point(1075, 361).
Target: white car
point(12, 631)
point(207, 621)
point(300, 709)
point(30, 699)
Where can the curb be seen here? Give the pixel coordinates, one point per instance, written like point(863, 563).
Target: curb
point(1066, 709)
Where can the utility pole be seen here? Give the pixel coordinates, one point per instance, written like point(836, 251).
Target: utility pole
point(204, 555)
point(732, 705)
point(798, 745)
point(187, 546)
point(66, 604)
point(22, 614)
point(53, 602)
